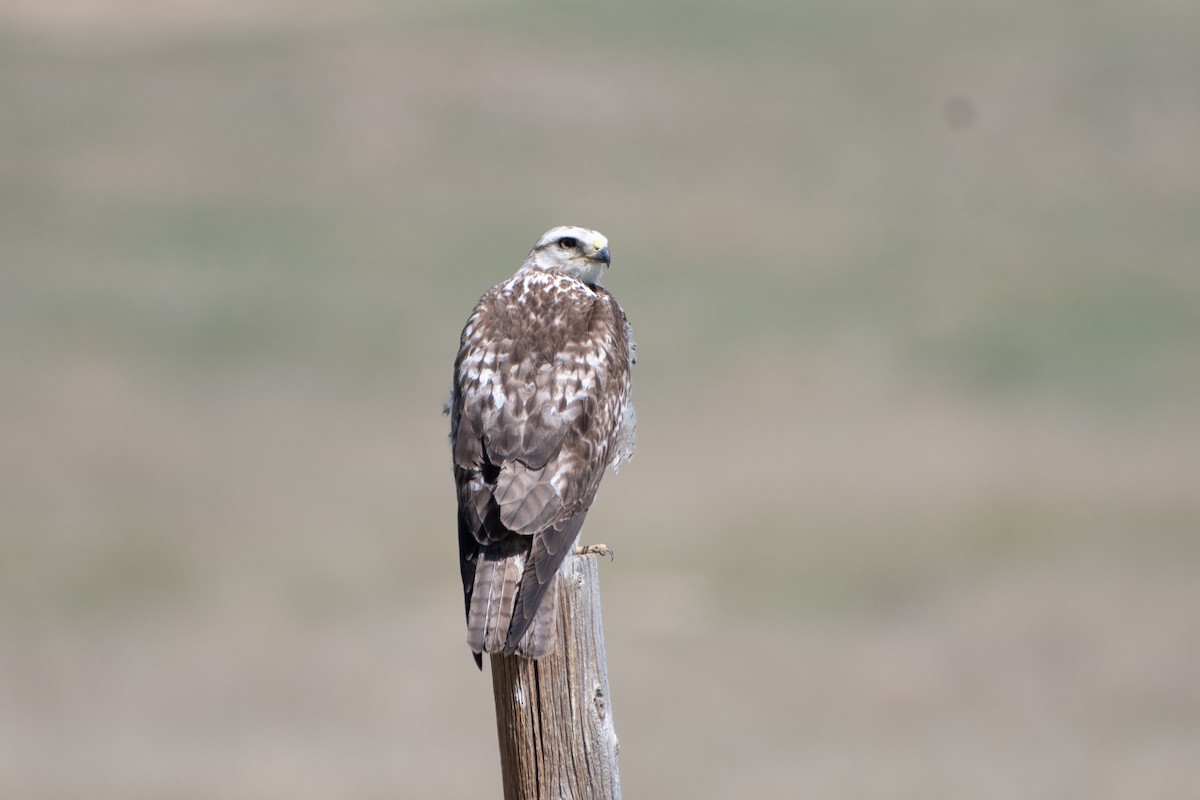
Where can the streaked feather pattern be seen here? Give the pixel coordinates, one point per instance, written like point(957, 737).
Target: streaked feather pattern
point(539, 407)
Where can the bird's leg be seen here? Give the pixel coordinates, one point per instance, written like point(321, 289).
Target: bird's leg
point(596, 550)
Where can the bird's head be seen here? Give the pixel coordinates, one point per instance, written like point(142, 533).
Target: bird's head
point(569, 250)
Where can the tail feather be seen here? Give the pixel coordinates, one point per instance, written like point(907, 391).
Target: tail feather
point(494, 598)
point(492, 601)
point(540, 637)
point(513, 597)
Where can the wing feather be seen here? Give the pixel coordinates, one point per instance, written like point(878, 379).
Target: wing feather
point(540, 576)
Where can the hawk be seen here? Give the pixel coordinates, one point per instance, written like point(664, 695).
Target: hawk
point(539, 407)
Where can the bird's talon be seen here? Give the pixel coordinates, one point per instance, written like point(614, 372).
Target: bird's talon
point(596, 550)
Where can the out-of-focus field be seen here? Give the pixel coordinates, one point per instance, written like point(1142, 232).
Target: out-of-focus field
point(916, 507)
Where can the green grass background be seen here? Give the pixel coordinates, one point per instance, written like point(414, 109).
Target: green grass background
point(916, 505)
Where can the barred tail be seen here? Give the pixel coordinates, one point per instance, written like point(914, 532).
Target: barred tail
point(494, 598)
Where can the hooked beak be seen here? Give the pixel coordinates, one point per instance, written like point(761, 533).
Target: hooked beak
point(603, 256)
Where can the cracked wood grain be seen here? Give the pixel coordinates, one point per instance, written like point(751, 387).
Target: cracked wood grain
point(553, 715)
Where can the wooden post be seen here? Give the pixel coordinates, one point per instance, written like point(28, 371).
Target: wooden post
point(553, 715)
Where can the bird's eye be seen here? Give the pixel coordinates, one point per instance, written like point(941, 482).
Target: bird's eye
point(567, 243)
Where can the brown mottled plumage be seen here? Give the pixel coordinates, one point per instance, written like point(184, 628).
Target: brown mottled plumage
point(539, 407)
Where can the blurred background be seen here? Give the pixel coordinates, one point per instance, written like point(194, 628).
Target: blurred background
point(916, 507)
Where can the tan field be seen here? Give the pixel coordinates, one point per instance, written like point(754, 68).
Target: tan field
point(915, 511)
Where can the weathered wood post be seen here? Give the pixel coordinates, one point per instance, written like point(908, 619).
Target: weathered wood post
point(553, 715)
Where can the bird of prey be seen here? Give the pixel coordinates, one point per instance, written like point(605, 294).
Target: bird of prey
point(540, 405)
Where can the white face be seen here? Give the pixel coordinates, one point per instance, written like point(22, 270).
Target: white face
point(569, 250)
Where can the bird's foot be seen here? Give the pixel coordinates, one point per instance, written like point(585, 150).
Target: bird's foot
point(596, 550)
